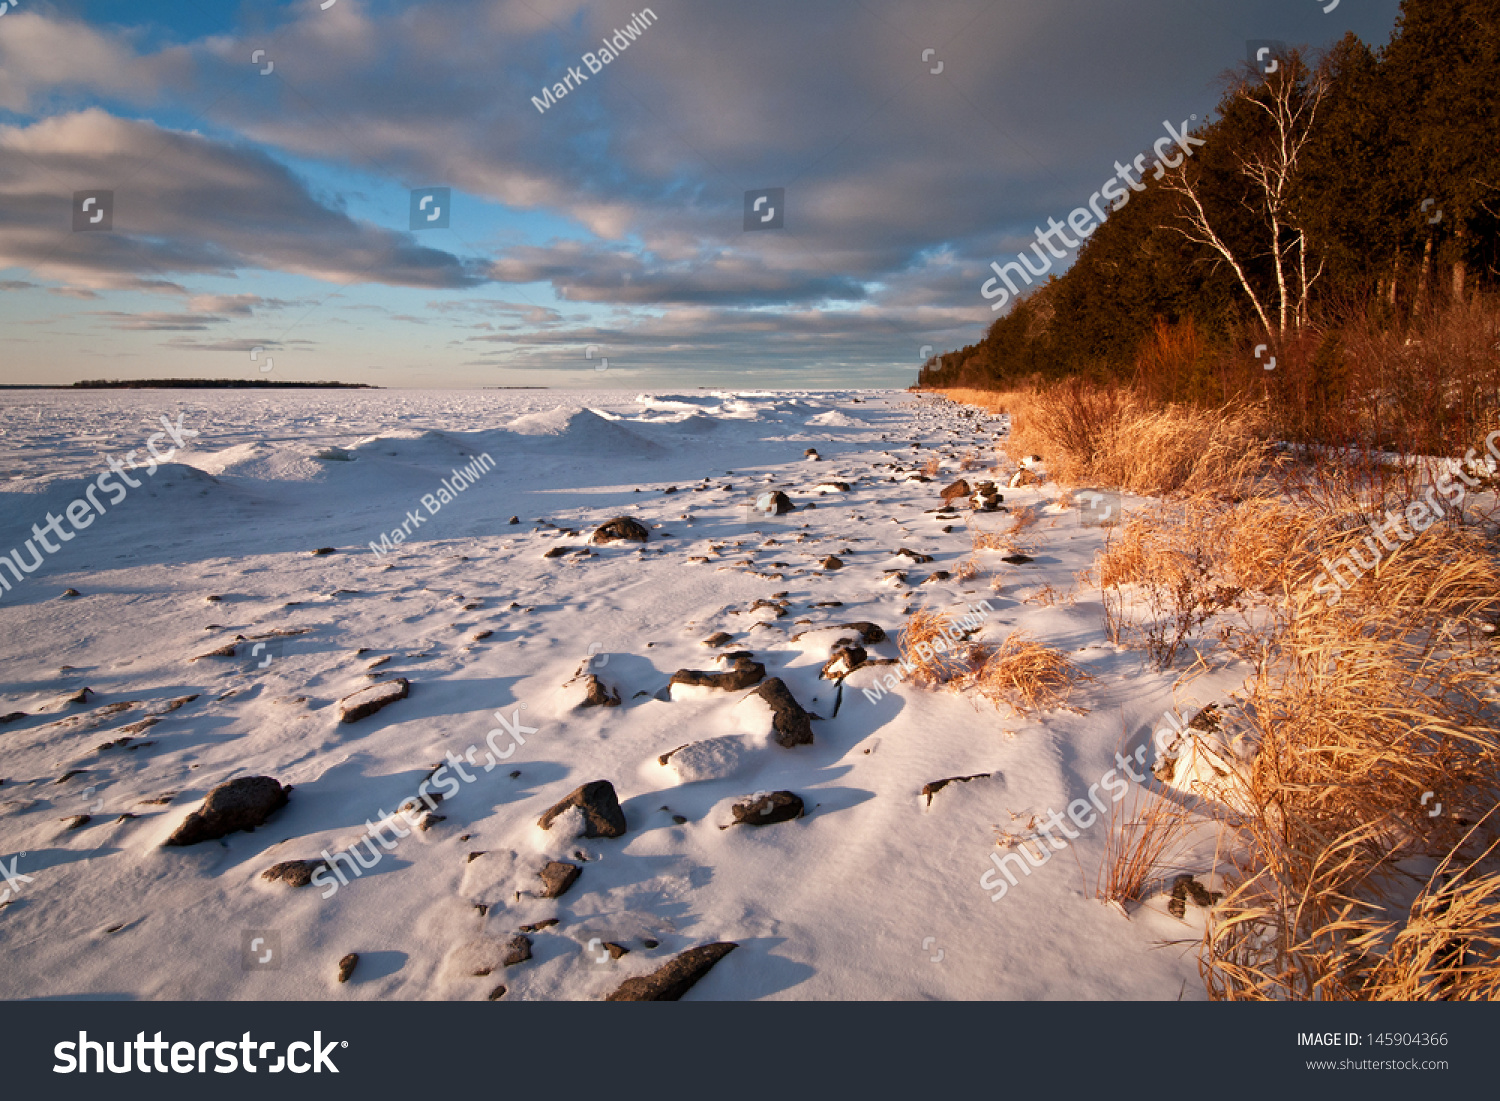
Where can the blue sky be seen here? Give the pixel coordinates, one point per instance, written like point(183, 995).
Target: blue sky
point(264, 215)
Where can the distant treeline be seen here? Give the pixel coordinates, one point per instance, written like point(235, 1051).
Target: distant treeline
point(1341, 194)
point(213, 384)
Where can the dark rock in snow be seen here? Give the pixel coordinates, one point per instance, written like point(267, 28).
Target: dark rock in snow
point(832, 563)
point(1018, 559)
point(931, 789)
point(767, 808)
point(958, 489)
point(225, 651)
point(1185, 887)
point(675, 978)
point(745, 673)
point(601, 810)
point(620, 528)
point(776, 503)
point(790, 724)
point(847, 656)
point(557, 877)
point(718, 638)
point(240, 804)
point(294, 873)
point(915, 556)
point(869, 633)
point(347, 966)
point(597, 695)
point(516, 950)
point(367, 701)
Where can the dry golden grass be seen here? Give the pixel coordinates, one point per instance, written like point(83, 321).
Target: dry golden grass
point(1362, 707)
point(989, 540)
point(929, 651)
point(1045, 597)
point(1167, 555)
point(1370, 704)
point(1023, 673)
point(932, 466)
point(1023, 518)
point(1449, 948)
point(1007, 540)
point(1108, 437)
point(1142, 844)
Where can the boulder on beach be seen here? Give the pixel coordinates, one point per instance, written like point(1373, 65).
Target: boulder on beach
point(675, 978)
point(958, 489)
point(775, 503)
point(557, 876)
point(766, 808)
point(240, 804)
point(710, 759)
point(367, 701)
point(847, 656)
point(744, 673)
point(790, 724)
point(602, 816)
point(485, 955)
point(869, 633)
point(597, 695)
point(294, 873)
point(621, 528)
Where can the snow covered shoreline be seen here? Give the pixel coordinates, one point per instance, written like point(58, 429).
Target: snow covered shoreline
point(852, 900)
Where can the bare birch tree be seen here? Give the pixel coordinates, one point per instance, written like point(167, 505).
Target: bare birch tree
point(1289, 98)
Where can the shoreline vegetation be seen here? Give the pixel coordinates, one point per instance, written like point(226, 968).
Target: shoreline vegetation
point(1286, 350)
point(1355, 786)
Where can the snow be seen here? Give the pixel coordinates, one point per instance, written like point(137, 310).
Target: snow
point(852, 901)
